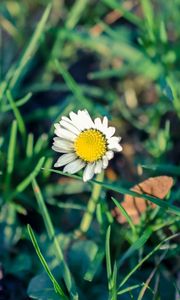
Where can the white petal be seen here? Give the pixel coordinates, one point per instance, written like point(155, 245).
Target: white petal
point(115, 147)
point(105, 122)
point(98, 124)
point(61, 150)
point(114, 139)
point(109, 155)
point(76, 120)
point(65, 134)
point(105, 162)
point(63, 143)
point(83, 121)
point(86, 118)
point(110, 131)
point(104, 126)
point(98, 167)
point(73, 115)
point(56, 125)
point(74, 166)
point(89, 171)
point(66, 119)
point(57, 128)
point(69, 127)
point(70, 122)
point(65, 159)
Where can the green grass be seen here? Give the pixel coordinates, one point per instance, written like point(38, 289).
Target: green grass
point(58, 236)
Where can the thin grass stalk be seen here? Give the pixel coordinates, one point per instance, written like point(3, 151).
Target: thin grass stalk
point(56, 285)
point(11, 155)
point(52, 236)
point(24, 184)
point(119, 189)
point(19, 118)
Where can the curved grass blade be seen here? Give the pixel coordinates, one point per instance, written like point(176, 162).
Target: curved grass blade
point(72, 19)
point(157, 201)
point(72, 85)
point(23, 185)
point(136, 245)
point(163, 204)
point(17, 114)
point(125, 214)
point(31, 48)
point(146, 258)
point(18, 103)
point(56, 285)
point(51, 234)
point(150, 277)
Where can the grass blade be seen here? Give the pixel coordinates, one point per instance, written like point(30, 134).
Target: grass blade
point(41, 143)
point(72, 85)
point(130, 288)
point(148, 11)
point(18, 103)
point(167, 168)
point(51, 234)
point(163, 204)
point(146, 258)
point(30, 144)
point(30, 50)
point(17, 114)
point(57, 287)
point(108, 259)
point(48, 164)
point(114, 282)
point(136, 245)
point(23, 185)
point(44, 212)
point(11, 154)
point(150, 277)
point(125, 214)
point(90, 273)
point(75, 13)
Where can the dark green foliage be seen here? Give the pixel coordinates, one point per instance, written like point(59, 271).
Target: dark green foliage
point(114, 58)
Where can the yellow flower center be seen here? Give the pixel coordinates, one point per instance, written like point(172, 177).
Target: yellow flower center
point(90, 145)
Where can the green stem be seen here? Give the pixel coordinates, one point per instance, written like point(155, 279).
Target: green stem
point(10, 156)
point(91, 207)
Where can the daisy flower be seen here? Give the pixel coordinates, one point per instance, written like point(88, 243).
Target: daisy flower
point(84, 143)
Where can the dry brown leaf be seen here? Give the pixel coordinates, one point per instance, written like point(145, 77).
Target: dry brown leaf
point(155, 186)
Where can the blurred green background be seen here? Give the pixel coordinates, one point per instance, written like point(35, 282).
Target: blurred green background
point(114, 58)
